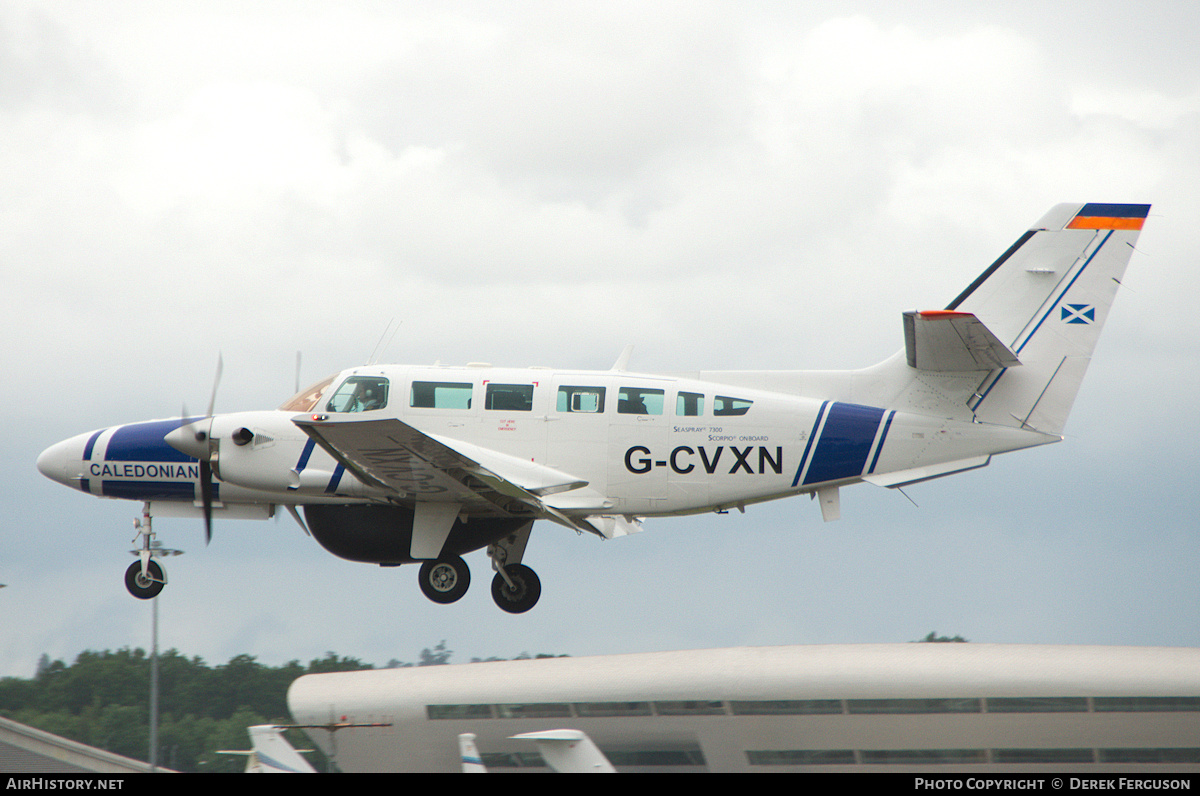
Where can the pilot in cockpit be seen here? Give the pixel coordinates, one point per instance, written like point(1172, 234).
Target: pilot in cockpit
point(367, 397)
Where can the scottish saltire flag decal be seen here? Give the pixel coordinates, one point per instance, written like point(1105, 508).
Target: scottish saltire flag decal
point(1078, 313)
point(1102, 216)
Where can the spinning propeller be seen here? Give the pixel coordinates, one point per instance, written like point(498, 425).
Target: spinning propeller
point(195, 439)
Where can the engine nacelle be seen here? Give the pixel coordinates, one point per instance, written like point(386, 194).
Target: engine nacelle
point(262, 450)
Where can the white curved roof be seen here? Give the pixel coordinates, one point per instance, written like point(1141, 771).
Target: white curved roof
point(860, 671)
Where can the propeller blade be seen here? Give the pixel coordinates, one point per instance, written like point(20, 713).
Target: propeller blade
point(216, 381)
point(206, 497)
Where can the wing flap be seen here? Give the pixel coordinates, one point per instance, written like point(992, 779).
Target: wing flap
point(946, 340)
point(394, 456)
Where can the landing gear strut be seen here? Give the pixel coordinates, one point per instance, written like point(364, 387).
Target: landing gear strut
point(145, 577)
point(516, 587)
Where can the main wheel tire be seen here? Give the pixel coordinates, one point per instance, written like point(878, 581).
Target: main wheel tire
point(141, 586)
point(524, 593)
point(445, 580)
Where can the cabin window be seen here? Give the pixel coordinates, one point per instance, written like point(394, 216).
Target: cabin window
point(509, 397)
point(359, 394)
point(638, 401)
point(589, 400)
point(724, 406)
point(689, 404)
point(440, 395)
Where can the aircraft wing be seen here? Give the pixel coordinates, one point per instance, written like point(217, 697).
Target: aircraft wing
point(946, 340)
point(394, 456)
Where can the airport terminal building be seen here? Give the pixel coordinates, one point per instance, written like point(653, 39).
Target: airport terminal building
point(949, 708)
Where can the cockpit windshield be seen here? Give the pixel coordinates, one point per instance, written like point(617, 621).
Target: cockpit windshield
point(359, 394)
point(307, 399)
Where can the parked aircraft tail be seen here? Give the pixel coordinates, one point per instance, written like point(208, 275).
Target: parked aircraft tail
point(472, 762)
point(272, 754)
point(569, 752)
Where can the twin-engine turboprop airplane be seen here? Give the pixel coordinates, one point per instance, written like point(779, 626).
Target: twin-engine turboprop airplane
point(397, 464)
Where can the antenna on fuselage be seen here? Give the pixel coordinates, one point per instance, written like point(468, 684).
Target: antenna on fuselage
point(622, 362)
point(380, 347)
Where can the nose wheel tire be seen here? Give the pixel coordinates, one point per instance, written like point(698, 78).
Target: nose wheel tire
point(445, 580)
point(140, 585)
point(524, 592)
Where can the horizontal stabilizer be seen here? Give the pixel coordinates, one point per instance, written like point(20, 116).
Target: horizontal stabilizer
point(918, 474)
point(945, 340)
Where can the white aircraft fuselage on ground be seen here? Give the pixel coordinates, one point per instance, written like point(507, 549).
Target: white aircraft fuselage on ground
point(399, 464)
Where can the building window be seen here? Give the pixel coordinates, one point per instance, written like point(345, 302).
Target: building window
point(603, 709)
point(913, 705)
point(801, 757)
point(690, 708)
point(1146, 704)
point(786, 707)
point(1037, 705)
point(538, 710)
point(458, 711)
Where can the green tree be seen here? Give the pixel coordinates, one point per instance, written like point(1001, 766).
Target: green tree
point(935, 638)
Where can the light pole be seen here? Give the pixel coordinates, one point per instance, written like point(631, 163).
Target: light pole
point(156, 551)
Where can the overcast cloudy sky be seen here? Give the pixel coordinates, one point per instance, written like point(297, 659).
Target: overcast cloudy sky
point(723, 184)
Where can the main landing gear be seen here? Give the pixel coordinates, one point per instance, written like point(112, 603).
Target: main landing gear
point(445, 580)
point(145, 577)
point(515, 588)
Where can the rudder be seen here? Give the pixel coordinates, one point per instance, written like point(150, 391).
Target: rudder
point(1047, 298)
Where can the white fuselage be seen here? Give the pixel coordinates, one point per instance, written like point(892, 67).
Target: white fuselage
point(646, 445)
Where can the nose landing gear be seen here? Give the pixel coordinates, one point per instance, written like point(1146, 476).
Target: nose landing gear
point(145, 585)
point(145, 577)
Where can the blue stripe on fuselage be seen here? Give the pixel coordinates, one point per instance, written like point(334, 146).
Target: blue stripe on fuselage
point(305, 454)
point(336, 479)
point(812, 438)
point(91, 443)
point(143, 442)
point(882, 439)
point(845, 443)
point(152, 490)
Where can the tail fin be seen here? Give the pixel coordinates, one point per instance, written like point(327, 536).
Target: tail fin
point(569, 752)
point(273, 754)
point(472, 763)
point(1046, 299)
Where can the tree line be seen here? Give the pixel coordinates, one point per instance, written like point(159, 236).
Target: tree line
point(102, 699)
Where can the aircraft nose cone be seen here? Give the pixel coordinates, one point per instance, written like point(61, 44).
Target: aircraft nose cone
point(63, 461)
